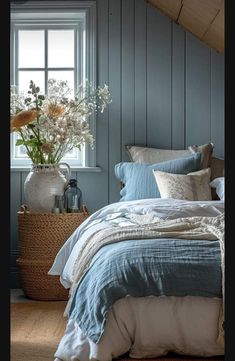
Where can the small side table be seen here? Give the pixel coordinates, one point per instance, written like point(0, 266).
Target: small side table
point(41, 235)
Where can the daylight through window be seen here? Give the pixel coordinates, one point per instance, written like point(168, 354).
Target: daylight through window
point(48, 44)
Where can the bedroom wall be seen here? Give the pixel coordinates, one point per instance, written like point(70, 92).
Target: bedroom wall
point(167, 89)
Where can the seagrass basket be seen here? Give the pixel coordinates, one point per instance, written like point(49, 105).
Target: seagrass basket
point(41, 235)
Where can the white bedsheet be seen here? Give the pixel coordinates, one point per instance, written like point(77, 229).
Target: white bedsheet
point(149, 327)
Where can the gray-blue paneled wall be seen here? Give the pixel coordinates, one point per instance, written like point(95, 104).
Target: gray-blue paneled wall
point(167, 89)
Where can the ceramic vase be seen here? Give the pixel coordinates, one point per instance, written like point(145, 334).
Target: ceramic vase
point(43, 182)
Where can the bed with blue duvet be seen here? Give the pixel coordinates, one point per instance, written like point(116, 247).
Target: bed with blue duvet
point(145, 277)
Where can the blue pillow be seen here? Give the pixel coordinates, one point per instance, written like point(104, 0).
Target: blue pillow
point(138, 178)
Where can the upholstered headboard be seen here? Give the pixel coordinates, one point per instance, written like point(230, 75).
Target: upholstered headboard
point(217, 170)
point(217, 167)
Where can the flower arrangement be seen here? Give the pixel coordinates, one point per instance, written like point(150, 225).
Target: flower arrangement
point(50, 125)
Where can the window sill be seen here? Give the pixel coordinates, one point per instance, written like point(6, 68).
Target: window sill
point(27, 168)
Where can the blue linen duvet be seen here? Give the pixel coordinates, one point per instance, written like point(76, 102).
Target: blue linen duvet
point(140, 268)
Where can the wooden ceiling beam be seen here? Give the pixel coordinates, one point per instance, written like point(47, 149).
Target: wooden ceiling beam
point(197, 15)
point(214, 36)
point(170, 8)
point(203, 18)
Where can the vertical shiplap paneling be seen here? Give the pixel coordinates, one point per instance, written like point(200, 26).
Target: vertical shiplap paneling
point(198, 108)
point(178, 105)
point(102, 128)
point(140, 72)
point(115, 56)
point(73, 175)
point(158, 79)
point(15, 277)
point(158, 83)
point(127, 75)
point(92, 189)
point(217, 103)
point(15, 207)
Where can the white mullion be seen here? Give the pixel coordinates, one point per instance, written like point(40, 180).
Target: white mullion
point(84, 75)
point(60, 69)
point(16, 56)
point(91, 70)
point(76, 72)
point(31, 69)
point(78, 77)
point(12, 54)
point(46, 60)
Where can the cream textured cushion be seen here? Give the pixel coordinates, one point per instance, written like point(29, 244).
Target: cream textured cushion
point(154, 155)
point(192, 186)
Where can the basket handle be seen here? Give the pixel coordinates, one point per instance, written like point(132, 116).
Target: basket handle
point(24, 208)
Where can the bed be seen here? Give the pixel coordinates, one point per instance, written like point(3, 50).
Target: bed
point(145, 278)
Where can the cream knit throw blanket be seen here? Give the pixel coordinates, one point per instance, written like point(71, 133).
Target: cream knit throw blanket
point(210, 228)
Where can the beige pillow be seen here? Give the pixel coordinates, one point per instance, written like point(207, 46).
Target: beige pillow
point(154, 155)
point(192, 186)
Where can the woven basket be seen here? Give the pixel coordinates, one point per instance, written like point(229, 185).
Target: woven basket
point(41, 235)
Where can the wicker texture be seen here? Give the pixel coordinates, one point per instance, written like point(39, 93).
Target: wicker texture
point(41, 235)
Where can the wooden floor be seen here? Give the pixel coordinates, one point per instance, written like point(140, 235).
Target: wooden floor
point(37, 327)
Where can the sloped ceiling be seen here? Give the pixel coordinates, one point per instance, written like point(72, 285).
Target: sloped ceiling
point(203, 18)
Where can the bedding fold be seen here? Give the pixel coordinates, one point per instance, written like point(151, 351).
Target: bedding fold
point(191, 228)
point(142, 268)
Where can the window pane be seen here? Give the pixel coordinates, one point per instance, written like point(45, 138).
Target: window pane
point(63, 75)
point(72, 154)
point(36, 76)
point(31, 49)
point(60, 48)
point(73, 157)
point(19, 151)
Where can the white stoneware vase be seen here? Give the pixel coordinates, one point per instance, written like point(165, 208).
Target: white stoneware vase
point(43, 182)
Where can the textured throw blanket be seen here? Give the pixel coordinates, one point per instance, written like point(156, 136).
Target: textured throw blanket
point(208, 228)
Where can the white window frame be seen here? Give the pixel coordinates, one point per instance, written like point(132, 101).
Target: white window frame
point(74, 14)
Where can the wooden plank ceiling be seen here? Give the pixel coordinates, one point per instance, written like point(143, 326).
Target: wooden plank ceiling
point(203, 18)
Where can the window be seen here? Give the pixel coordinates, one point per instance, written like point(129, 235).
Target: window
point(53, 40)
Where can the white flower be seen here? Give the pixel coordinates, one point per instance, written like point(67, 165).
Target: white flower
point(62, 120)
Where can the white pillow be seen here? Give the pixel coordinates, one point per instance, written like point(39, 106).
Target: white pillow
point(192, 186)
point(218, 184)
